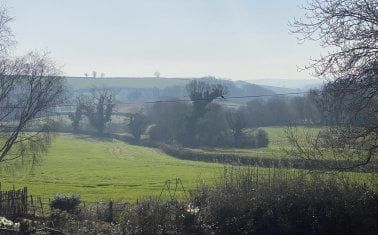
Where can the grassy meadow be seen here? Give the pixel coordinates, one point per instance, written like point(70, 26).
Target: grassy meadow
point(105, 169)
point(277, 142)
point(101, 169)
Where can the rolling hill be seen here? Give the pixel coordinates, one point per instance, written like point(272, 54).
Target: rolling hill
point(150, 88)
point(125, 82)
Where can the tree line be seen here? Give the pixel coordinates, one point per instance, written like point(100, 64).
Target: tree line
point(205, 120)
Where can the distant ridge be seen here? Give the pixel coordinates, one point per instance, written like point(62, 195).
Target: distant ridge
point(143, 86)
point(301, 84)
point(125, 82)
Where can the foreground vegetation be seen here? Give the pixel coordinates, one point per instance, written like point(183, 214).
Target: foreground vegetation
point(243, 203)
point(240, 201)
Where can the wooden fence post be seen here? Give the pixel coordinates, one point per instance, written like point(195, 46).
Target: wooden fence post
point(110, 216)
point(13, 203)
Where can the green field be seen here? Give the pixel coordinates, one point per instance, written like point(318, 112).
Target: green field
point(277, 142)
point(98, 170)
point(110, 169)
point(276, 148)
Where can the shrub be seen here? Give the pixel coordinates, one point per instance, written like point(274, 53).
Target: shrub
point(106, 211)
point(69, 203)
point(151, 216)
point(59, 218)
point(246, 140)
point(253, 138)
point(246, 201)
point(261, 137)
point(65, 223)
point(243, 202)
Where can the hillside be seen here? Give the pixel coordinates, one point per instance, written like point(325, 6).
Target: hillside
point(301, 84)
point(149, 88)
point(125, 82)
point(280, 90)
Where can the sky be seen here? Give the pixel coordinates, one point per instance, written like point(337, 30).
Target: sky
point(231, 39)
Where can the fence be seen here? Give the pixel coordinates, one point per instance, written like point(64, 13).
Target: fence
point(14, 203)
point(38, 206)
point(17, 203)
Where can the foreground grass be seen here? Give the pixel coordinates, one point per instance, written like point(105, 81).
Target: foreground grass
point(98, 169)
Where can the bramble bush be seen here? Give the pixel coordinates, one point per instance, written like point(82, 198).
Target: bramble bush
point(152, 216)
point(69, 203)
point(245, 202)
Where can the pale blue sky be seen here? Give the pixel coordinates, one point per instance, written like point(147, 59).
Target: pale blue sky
point(235, 39)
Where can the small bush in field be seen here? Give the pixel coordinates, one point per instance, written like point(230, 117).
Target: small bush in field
point(69, 203)
point(261, 138)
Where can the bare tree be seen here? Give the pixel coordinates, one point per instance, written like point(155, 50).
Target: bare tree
point(201, 93)
point(30, 88)
point(138, 124)
point(237, 122)
point(349, 100)
point(98, 108)
point(76, 117)
point(6, 34)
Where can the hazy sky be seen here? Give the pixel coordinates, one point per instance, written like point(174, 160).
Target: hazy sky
point(235, 39)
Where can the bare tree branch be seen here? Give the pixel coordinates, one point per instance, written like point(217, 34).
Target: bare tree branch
point(31, 83)
point(349, 101)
